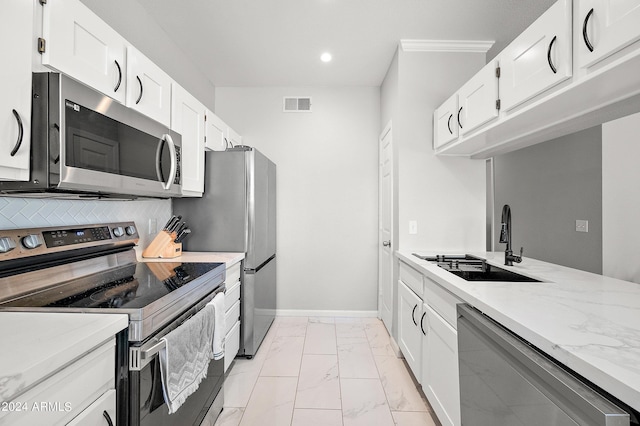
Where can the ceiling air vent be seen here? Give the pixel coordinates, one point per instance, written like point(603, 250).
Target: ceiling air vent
point(297, 105)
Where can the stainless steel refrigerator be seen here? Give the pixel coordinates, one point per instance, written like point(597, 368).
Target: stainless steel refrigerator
point(237, 213)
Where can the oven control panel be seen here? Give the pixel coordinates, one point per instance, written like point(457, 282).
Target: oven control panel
point(21, 243)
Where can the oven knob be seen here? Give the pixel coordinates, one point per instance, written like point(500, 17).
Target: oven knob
point(118, 231)
point(31, 241)
point(130, 230)
point(6, 244)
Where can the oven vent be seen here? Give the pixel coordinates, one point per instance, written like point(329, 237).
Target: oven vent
point(297, 105)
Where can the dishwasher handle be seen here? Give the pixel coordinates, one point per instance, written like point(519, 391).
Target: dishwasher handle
point(578, 400)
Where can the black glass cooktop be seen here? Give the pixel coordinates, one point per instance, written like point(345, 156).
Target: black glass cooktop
point(131, 286)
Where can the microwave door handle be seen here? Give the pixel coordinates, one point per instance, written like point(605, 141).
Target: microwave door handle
point(159, 172)
point(174, 161)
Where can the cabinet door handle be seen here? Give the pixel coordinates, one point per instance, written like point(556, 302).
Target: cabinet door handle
point(141, 90)
point(107, 417)
point(553, 67)
point(585, 36)
point(15, 149)
point(115, 89)
point(413, 318)
point(449, 123)
point(459, 124)
point(421, 321)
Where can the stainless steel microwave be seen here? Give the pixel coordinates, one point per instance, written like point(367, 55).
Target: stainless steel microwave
point(84, 142)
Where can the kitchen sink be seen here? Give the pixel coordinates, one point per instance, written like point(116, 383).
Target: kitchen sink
point(471, 268)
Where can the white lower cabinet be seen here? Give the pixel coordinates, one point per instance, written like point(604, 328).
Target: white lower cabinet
point(440, 381)
point(409, 334)
point(232, 314)
point(74, 392)
point(101, 412)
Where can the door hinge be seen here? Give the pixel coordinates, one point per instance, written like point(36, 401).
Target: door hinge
point(42, 45)
point(498, 104)
point(43, 2)
point(498, 72)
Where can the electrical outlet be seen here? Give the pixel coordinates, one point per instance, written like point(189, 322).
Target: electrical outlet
point(582, 225)
point(413, 227)
point(153, 226)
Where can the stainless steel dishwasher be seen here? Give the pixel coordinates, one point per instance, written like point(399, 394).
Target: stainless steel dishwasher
point(506, 381)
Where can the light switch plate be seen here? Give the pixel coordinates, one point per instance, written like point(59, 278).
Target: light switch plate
point(582, 225)
point(413, 227)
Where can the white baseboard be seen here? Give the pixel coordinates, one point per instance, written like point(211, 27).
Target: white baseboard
point(313, 313)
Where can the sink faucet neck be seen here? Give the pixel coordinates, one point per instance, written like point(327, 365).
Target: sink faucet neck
point(505, 237)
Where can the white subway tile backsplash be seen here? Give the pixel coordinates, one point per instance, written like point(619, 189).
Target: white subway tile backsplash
point(39, 212)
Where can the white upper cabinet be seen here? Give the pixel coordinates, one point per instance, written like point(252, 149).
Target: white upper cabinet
point(477, 99)
point(233, 137)
point(602, 27)
point(78, 43)
point(215, 133)
point(16, 41)
point(445, 121)
point(539, 58)
point(148, 87)
point(187, 118)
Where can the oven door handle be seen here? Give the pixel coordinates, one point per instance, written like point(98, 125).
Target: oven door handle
point(140, 356)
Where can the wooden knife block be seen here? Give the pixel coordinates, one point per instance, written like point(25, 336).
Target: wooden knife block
point(163, 246)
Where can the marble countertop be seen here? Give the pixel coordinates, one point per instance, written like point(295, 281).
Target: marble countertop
point(35, 345)
point(196, 256)
point(588, 322)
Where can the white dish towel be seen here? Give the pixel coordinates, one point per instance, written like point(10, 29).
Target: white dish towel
point(184, 360)
point(220, 327)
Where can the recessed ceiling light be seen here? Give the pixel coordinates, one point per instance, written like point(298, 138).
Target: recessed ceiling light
point(325, 57)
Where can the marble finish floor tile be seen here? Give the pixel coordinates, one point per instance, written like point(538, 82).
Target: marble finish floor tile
point(413, 419)
point(306, 417)
point(356, 361)
point(398, 385)
point(364, 403)
point(379, 339)
point(320, 339)
point(318, 384)
point(238, 386)
point(359, 383)
point(284, 357)
point(271, 402)
point(322, 320)
point(229, 417)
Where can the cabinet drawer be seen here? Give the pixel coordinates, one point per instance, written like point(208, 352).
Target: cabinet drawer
point(94, 414)
point(441, 301)
point(232, 295)
point(232, 345)
point(232, 316)
point(68, 392)
point(233, 274)
point(412, 278)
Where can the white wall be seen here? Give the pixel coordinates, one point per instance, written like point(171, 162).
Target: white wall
point(446, 196)
point(133, 22)
point(621, 198)
point(327, 189)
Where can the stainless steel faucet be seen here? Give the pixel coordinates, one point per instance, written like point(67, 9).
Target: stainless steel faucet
point(505, 237)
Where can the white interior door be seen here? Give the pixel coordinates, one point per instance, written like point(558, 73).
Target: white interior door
point(385, 235)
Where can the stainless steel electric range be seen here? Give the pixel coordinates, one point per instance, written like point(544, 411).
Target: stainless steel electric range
point(93, 269)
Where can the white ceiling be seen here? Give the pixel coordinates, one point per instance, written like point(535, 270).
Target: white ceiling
point(279, 42)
